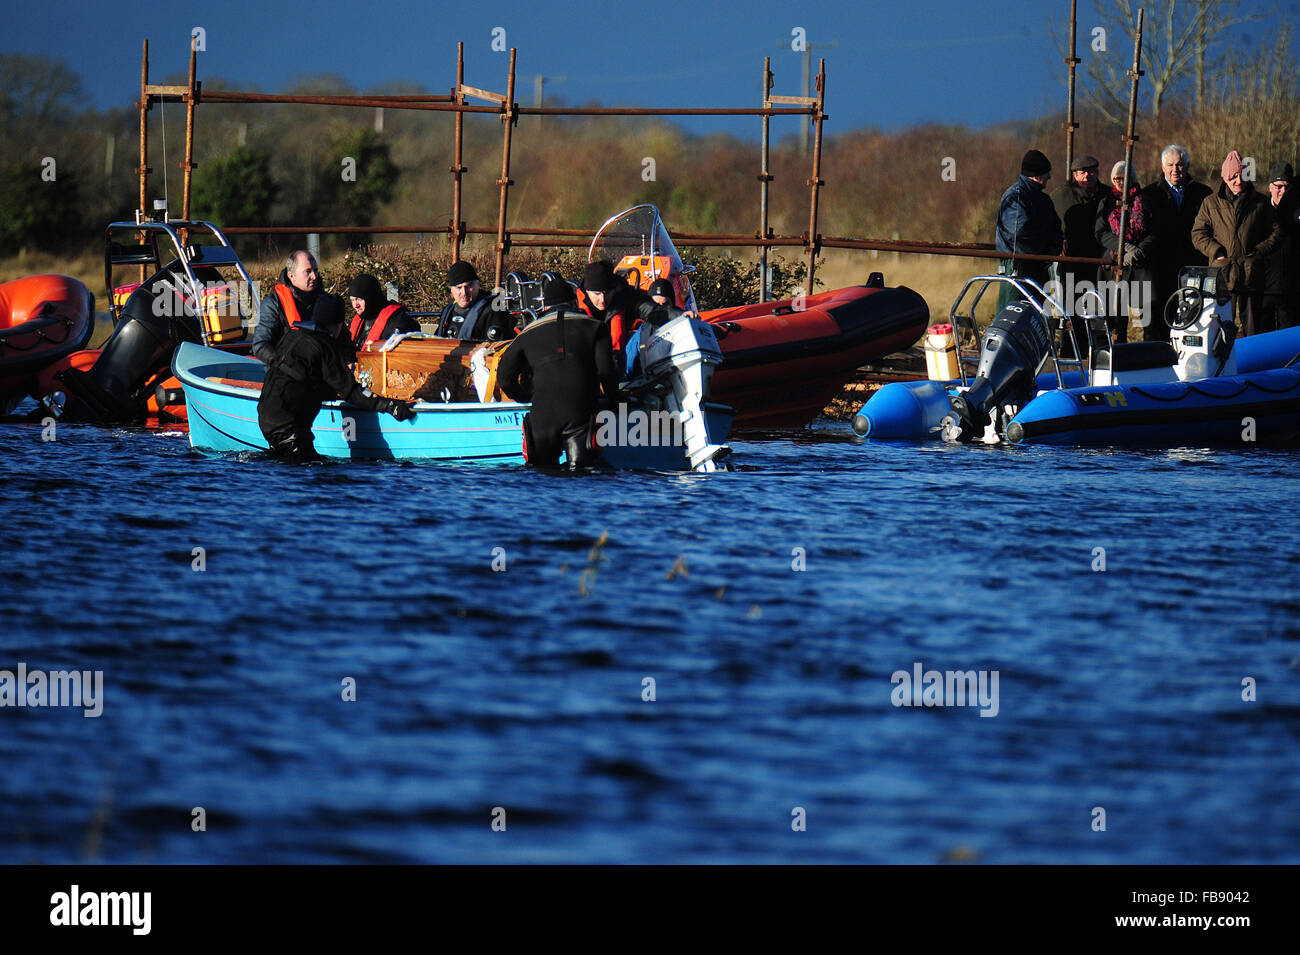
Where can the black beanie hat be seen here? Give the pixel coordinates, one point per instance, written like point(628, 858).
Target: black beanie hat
point(599, 277)
point(1034, 164)
point(365, 286)
point(556, 291)
point(460, 273)
point(328, 312)
point(665, 288)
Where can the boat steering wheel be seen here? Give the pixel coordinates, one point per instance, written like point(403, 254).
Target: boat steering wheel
point(1185, 305)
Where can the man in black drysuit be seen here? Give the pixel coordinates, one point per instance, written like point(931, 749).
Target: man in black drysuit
point(560, 362)
point(309, 367)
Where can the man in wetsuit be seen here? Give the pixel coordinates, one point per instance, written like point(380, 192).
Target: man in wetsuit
point(560, 363)
point(308, 367)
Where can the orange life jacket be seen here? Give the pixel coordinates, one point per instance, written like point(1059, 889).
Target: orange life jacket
point(376, 327)
point(287, 304)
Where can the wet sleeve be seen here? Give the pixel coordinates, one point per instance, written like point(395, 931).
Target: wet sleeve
point(340, 381)
point(509, 368)
point(606, 369)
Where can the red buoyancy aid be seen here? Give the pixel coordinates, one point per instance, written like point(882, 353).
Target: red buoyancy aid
point(287, 304)
point(376, 327)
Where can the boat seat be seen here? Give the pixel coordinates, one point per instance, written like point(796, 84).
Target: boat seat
point(1134, 356)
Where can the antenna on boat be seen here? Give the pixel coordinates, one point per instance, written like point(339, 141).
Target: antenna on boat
point(162, 109)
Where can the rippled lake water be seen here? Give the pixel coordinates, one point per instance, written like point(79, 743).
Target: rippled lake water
point(771, 608)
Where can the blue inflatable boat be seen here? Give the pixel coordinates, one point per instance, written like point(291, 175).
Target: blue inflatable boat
point(1204, 387)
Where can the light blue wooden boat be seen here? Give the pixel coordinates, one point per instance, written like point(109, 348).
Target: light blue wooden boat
point(221, 392)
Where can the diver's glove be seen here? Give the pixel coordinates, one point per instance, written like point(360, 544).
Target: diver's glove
point(401, 410)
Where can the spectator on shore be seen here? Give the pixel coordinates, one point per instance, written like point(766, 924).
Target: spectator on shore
point(1237, 230)
point(1028, 223)
point(1076, 204)
point(1174, 201)
point(1282, 267)
point(1140, 237)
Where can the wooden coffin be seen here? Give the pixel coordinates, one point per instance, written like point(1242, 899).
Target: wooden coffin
point(433, 369)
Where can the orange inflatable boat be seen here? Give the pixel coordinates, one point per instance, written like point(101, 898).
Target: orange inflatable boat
point(785, 361)
point(43, 319)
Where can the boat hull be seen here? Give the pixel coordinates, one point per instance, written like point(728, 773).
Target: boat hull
point(1261, 406)
point(221, 394)
point(43, 320)
point(782, 365)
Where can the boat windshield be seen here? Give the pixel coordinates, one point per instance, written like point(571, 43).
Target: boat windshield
point(641, 250)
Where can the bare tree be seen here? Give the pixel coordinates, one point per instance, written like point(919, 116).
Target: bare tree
point(1181, 43)
point(1252, 104)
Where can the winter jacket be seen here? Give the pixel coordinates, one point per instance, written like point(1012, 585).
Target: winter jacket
point(1241, 229)
point(1174, 248)
point(1142, 226)
point(1027, 220)
point(1077, 210)
point(1282, 275)
point(271, 321)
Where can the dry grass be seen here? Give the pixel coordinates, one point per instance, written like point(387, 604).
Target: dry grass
point(88, 268)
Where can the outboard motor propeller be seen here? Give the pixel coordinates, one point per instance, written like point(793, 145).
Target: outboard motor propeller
point(1015, 346)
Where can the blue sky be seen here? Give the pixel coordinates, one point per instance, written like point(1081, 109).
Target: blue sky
point(889, 64)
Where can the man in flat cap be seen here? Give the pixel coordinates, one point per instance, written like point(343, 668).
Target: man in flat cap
point(1076, 203)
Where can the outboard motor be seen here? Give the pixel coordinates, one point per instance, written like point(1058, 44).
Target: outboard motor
point(679, 357)
point(1015, 346)
point(155, 320)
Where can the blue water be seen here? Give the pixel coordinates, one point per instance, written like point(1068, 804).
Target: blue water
point(523, 689)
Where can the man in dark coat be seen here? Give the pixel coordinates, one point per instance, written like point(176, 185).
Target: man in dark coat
point(1174, 200)
point(560, 363)
point(289, 302)
point(308, 367)
point(1076, 204)
point(1027, 220)
point(1237, 231)
point(376, 319)
point(1282, 267)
